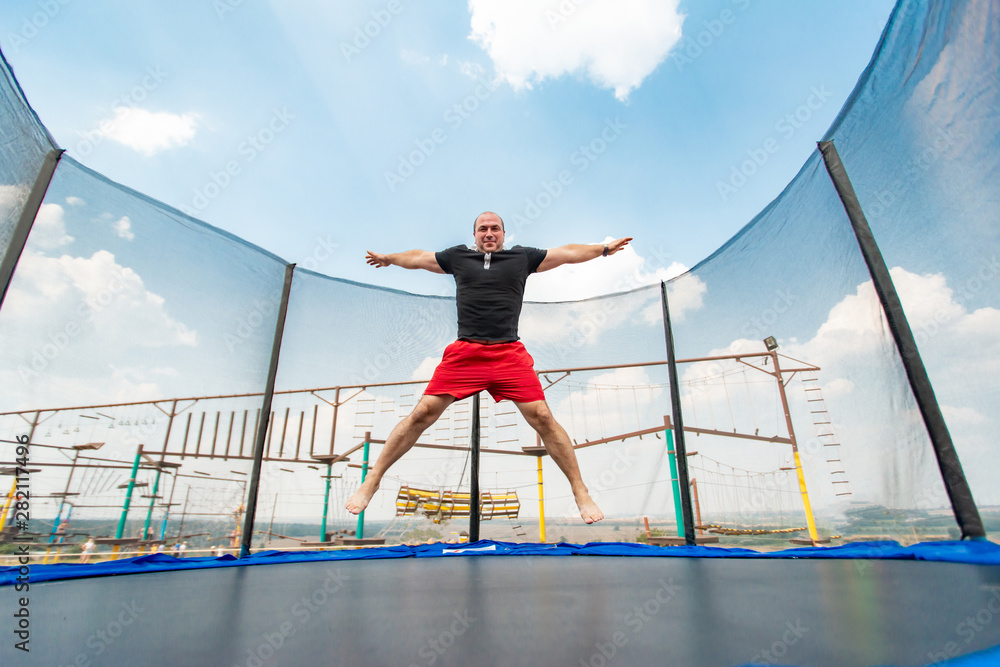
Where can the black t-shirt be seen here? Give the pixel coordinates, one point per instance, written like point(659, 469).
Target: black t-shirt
point(490, 288)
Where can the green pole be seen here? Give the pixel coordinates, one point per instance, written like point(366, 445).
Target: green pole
point(326, 501)
point(675, 481)
point(364, 473)
point(128, 494)
point(152, 501)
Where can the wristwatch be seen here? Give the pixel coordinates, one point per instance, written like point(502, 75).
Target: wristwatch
point(605, 253)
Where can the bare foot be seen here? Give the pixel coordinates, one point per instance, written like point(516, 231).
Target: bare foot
point(357, 503)
point(589, 510)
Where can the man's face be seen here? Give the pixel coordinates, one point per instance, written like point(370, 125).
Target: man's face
point(489, 233)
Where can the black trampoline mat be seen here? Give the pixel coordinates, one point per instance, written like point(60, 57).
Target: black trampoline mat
point(529, 610)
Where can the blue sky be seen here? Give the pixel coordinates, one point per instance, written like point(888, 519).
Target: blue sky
point(320, 130)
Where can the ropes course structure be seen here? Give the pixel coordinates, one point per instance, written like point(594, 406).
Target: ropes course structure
point(745, 502)
point(736, 396)
point(725, 399)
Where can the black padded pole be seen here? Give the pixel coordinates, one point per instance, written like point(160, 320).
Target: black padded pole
point(955, 482)
point(265, 413)
point(678, 421)
point(27, 219)
point(474, 474)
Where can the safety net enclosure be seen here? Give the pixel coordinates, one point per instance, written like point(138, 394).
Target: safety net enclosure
point(142, 351)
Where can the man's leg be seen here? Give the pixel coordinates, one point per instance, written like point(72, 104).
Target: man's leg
point(559, 447)
point(426, 412)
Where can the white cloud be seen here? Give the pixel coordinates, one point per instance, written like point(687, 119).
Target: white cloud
point(576, 324)
point(471, 70)
point(683, 294)
point(926, 298)
point(109, 297)
point(123, 227)
point(425, 369)
point(12, 196)
point(12, 200)
point(617, 401)
point(615, 43)
point(75, 201)
point(856, 324)
point(583, 322)
point(83, 326)
point(54, 390)
point(150, 132)
point(962, 415)
point(837, 387)
point(623, 271)
point(855, 329)
point(130, 384)
point(412, 57)
point(984, 322)
point(49, 229)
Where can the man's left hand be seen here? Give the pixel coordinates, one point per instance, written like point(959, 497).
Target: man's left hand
point(615, 246)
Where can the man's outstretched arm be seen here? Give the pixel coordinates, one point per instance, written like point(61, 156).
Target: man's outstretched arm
point(574, 253)
point(411, 259)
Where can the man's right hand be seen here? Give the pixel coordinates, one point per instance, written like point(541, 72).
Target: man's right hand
point(377, 260)
point(411, 259)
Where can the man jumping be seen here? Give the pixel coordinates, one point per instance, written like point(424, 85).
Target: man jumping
point(487, 355)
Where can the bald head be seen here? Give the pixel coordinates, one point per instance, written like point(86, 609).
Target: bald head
point(491, 215)
point(488, 232)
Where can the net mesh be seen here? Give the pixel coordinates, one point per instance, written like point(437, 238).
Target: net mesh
point(129, 324)
point(25, 142)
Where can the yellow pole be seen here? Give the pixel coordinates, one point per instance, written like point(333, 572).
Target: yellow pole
point(6, 505)
point(55, 559)
point(810, 521)
point(541, 504)
point(805, 499)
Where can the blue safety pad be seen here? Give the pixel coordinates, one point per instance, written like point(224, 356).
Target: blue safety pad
point(971, 552)
point(988, 658)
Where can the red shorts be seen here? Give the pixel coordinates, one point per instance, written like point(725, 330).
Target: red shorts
point(506, 370)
